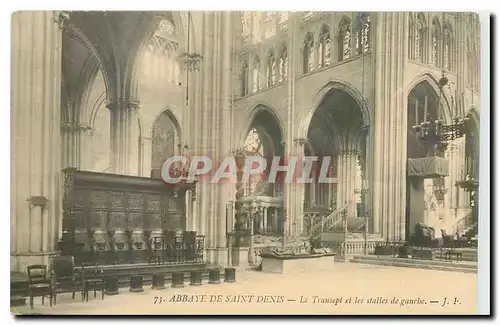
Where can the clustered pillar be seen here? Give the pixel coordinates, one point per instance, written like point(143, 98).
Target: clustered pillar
point(36, 138)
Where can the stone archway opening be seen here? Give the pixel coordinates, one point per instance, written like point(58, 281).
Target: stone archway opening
point(336, 131)
point(264, 138)
point(427, 166)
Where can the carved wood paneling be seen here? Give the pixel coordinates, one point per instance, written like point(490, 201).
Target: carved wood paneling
point(98, 219)
point(98, 199)
point(112, 202)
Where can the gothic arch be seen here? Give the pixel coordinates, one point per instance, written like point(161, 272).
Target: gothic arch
point(476, 119)
point(100, 102)
point(305, 122)
point(169, 112)
point(249, 120)
point(433, 82)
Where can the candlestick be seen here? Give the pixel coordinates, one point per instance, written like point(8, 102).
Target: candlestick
point(425, 109)
point(416, 111)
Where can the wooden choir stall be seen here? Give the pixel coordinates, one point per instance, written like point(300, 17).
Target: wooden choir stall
point(111, 219)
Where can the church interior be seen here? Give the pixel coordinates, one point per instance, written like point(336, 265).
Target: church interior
point(100, 100)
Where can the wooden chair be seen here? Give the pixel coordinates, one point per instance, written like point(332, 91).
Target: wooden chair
point(38, 283)
point(92, 281)
point(64, 278)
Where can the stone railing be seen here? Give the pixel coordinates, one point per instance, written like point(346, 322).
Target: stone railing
point(464, 224)
point(354, 243)
point(327, 223)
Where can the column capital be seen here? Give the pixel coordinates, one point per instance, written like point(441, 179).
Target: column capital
point(349, 152)
point(61, 18)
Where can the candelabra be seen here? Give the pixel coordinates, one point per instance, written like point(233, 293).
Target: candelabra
point(436, 131)
point(439, 189)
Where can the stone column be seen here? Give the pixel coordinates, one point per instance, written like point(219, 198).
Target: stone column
point(346, 167)
point(388, 138)
point(36, 138)
point(76, 150)
point(223, 128)
point(290, 149)
point(264, 224)
point(123, 125)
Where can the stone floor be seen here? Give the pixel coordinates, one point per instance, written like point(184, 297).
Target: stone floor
point(349, 289)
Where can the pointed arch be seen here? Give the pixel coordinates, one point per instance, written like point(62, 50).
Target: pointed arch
point(165, 136)
point(305, 120)
point(433, 82)
point(257, 108)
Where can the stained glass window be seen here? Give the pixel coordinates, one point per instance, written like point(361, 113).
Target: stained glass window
point(253, 147)
point(344, 39)
point(325, 47)
point(447, 47)
point(283, 65)
point(244, 78)
point(436, 35)
point(163, 141)
point(420, 38)
point(256, 74)
point(308, 53)
point(365, 32)
point(271, 69)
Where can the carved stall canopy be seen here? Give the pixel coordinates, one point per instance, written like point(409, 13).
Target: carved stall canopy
point(100, 201)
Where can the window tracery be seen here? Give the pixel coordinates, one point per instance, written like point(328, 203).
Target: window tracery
point(256, 74)
point(308, 53)
point(363, 33)
point(411, 37)
point(163, 140)
point(256, 27)
point(244, 78)
point(160, 57)
point(420, 38)
point(448, 47)
point(436, 37)
point(270, 24)
point(344, 39)
point(253, 147)
point(283, 22)
point(283, 64)
point(325, 47)
point(271, 69)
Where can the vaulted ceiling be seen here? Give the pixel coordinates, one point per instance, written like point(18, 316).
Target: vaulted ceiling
point(106, 41)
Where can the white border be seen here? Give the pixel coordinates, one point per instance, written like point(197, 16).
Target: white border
point(401, 5)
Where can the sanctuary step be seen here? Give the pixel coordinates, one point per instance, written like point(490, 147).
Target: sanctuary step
point(463, 266)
